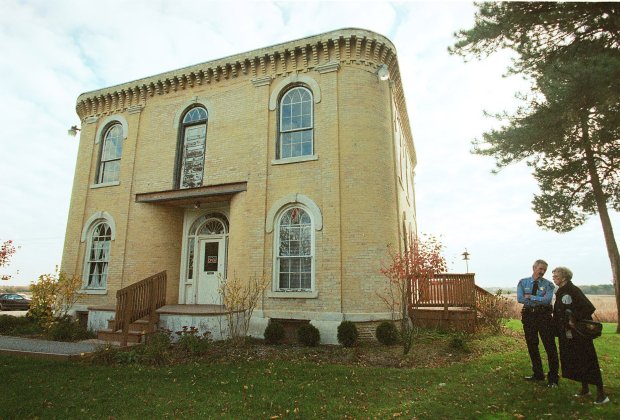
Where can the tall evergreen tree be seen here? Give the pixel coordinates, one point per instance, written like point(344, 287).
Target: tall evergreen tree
point(568, 128)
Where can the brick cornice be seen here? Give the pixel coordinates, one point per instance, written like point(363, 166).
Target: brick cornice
point(323, 52)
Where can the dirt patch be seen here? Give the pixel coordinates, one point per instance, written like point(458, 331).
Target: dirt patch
point(428, 351)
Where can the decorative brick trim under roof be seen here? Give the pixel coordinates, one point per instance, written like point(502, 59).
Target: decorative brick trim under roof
point(351, 46)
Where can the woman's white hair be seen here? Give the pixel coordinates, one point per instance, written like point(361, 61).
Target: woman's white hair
point(563, 272)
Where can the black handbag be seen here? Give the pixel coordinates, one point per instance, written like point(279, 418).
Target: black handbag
point(589, 329)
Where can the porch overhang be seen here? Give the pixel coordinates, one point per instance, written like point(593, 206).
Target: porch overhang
point(193, 197)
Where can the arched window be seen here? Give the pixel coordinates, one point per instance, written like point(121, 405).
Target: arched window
point(191, 154)
point(110, 155)
point(294, 250)
point(98, 256)
point(296, 123)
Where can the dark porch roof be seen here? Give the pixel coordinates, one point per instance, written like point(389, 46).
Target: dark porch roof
point(192, 197)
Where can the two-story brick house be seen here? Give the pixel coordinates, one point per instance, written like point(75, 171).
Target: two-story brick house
point(293, 162)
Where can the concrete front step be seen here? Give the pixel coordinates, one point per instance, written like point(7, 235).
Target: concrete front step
point(141, 325)
point(137, 330)
point(117, 336)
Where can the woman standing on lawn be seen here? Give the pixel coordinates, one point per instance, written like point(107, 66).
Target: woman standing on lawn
point(577, 354)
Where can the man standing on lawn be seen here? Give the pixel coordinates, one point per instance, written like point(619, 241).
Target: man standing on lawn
point(535, 293)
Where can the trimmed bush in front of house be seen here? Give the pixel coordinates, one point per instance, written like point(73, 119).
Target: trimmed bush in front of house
point(386, 333)
point(274, 332)
point(347, 333)
point(308, 335)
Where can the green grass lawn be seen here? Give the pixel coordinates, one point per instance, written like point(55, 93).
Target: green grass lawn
point(487, 386)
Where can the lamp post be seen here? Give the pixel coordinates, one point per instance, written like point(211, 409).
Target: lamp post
point(466, 258)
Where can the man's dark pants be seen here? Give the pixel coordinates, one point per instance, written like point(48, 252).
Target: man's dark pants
point(535, 323)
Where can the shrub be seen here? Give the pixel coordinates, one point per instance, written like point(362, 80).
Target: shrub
point(110, 355)
point(240, 297)
point(308, 335)
point(274, 332)
point(126, 357)
point(493, 311)
point(458, 342)
point(66, 328)
point(191, 343)
point(53, 295)
point(104, 355)
point(386, 333)
point(18, 325)
point(156, 350)
point(347, 333)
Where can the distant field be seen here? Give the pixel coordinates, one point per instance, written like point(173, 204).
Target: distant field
point(605, 307)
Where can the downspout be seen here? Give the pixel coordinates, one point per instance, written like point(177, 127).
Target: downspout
point(339, 193)
point(133, 172)
point(396, 164)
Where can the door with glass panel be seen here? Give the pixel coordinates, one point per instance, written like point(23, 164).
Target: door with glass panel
point(211, 259)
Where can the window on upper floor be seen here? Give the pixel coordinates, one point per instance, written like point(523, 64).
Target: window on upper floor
point(294, 268)
point(110, 154)
point(98, 256)
point(191, 151)
point(296, 125)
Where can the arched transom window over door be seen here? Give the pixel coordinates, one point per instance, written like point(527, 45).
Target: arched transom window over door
point(295, 257)
point(192, 153)
point(296, 125)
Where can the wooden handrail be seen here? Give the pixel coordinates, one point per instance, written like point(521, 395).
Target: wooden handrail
point(482, 294)
point(139, 300)
point(443, 290)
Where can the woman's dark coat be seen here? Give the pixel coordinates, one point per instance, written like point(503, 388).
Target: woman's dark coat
point(577, 354)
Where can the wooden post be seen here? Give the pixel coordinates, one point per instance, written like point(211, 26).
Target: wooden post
point(153, 288)
point(129, 301)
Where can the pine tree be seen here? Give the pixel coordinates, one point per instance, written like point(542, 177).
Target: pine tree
point(568, 127)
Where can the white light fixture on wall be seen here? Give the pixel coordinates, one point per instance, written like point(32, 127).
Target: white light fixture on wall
point(73, 130)
point(383, 73)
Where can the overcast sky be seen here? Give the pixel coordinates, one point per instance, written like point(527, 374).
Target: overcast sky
point(51, 51)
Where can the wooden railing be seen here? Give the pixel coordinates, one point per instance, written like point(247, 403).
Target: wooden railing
point(444, 290)
point(481, 295)
point(139, 300)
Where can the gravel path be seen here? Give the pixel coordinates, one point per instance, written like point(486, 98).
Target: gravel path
point(30, 345)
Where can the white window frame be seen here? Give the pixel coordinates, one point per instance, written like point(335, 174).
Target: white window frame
point(105, 262)
point(282, 131)
point(104, 160)
point(187, 127)
point(87, 237)
point(276, 254)
point(271, 227)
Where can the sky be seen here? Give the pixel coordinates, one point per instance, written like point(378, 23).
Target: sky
point(51, 52)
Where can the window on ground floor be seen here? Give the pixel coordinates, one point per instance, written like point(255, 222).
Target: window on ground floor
point(294, 250)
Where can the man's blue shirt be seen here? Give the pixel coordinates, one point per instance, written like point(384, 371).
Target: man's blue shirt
point(543, 296)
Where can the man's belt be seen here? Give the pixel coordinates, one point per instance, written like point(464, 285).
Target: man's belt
point(539, 309)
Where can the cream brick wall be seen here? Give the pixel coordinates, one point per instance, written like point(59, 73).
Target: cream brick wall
point(353, 182)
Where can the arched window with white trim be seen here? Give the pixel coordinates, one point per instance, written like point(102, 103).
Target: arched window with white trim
point(294, 266)
point(98, 256)
point(296, 125)
point(191, 153)
point(110, 155)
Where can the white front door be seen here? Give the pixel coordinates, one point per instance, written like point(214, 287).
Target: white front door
point(211, 263)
